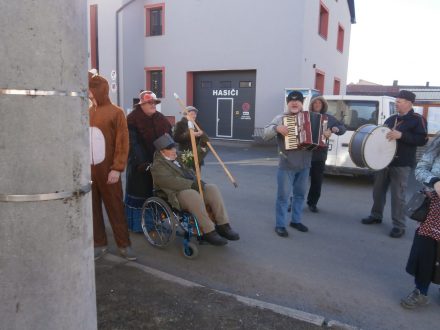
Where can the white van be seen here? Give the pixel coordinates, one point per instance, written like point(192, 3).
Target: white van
point(354, 111)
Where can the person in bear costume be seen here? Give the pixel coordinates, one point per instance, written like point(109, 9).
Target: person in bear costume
point(109, 152)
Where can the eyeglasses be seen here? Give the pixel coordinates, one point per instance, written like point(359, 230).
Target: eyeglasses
point(150, 103)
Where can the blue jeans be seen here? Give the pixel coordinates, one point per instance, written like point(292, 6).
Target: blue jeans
point(289, 180)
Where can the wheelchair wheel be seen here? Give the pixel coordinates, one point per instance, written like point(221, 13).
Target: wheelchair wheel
point(191, 251)
point(158, 222)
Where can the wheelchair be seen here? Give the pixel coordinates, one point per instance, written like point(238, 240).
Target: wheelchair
point(160, 224)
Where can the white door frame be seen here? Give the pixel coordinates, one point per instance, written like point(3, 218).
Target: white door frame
point(232, 116)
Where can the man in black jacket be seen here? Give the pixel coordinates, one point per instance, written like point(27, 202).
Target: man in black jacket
point(409, 129)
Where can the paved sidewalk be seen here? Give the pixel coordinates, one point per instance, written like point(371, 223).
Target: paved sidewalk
point(133, 296)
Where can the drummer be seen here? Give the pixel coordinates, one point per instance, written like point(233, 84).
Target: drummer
point(409, 129)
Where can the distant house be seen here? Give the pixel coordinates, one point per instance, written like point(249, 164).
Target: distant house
point(231, 59)
point(427, 98)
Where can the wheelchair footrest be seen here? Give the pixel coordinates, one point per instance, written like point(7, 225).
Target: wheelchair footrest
point(202, 241)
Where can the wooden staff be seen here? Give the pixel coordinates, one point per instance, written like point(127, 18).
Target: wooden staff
point(196, 157)
point(184, 112)
point(223, 165)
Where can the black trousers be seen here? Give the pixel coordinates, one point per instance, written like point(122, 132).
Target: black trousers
point(316, 178)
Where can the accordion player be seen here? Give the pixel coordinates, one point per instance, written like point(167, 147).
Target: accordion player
point(306, 131)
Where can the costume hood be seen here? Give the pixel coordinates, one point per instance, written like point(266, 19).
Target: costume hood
point(324, 104)
point(98, 85)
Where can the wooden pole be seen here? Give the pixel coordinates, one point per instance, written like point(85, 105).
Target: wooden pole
point(184, 112)
point(223, 165)
point(196, 158)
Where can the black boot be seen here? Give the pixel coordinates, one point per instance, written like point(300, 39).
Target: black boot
point(227, 232)
point(213, 238)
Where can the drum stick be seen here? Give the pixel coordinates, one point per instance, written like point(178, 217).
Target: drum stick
point(184, 112)
point(196, 158)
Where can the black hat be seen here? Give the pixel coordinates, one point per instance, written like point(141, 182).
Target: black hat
point(407, 95)
point(295, 96)
point(164, 142)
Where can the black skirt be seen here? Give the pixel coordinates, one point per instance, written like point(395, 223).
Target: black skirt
point(423, 262)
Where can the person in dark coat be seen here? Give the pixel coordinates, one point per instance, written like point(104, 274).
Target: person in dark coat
point(424, 259)
point(145, 125)
point(319, 156)
point(409, 130)
point(182, 136)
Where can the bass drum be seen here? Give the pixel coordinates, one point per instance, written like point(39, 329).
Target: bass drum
point(370, 148)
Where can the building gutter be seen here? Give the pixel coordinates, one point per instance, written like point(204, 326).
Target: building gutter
point(118, 97)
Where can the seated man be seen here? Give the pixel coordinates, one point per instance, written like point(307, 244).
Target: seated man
point(180, 185)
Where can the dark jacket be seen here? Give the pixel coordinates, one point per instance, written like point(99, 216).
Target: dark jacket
point(414, 133)
point(143, 130)
point(182, 137)
point(320, 155)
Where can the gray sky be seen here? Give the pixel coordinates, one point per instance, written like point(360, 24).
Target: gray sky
point(396, 40)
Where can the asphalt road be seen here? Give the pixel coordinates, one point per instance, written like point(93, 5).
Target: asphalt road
point(340, 269)
point(133, 296)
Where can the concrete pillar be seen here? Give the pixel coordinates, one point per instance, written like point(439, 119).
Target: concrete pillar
point(46, 246)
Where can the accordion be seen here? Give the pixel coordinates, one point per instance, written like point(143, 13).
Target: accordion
point(306, 131)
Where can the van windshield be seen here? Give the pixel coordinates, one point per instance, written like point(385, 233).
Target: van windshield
point(354, 113)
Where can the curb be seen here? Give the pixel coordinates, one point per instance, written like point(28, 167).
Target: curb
point(286, 311)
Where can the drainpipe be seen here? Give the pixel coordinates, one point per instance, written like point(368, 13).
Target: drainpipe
point(117, 49)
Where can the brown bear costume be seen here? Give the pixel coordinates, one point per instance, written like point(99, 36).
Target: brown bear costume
point(109, 151)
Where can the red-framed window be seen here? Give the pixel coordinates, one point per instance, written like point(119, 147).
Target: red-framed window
point(94, 53)
point(340, 42)
point(155, 78)
point(336, 86)
point(155, 19)
point(323, 21)
point(319, 80)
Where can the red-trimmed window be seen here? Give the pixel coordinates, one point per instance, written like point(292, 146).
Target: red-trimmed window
point(323, 21)
point(340, 43)
point(94, 54)
point(155, 80)
point(336, 86)
point(155, 19)
point(319, 80)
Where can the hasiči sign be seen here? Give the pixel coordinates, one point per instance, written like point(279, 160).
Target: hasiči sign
point(225, 92)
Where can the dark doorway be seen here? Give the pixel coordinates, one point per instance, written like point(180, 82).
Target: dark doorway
point(226, 103)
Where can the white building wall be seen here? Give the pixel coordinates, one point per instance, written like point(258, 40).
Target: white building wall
point(279, 39)
point(107, 37)
point(323, 52)
point(230, 35)
point(132, 57)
